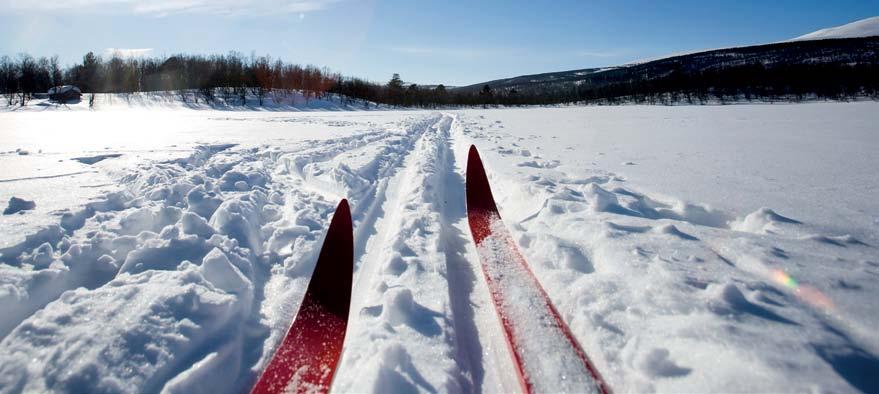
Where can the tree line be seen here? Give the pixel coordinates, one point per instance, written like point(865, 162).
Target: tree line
point(232, 77)
point(733, 83)
point(691, 79)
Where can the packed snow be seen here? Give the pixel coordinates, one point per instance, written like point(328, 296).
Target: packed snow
point(688, 248)
point(862, 28)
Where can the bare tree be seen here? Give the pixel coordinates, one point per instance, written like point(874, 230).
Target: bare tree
point(8, 79)
point(27, 77)
point(262, 75)
point(55, 71)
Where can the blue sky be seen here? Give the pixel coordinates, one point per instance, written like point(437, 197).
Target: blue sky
point(452, 42)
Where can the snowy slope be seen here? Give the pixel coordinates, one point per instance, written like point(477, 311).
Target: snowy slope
point(789, 52)
point(708, 249)
point(868, 27)
point(863, 28)
point(274, 100)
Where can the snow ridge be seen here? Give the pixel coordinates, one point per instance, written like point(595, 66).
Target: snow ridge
point(862, 28)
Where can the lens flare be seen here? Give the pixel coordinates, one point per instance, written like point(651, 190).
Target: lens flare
point(808, 294)
point(784, 279)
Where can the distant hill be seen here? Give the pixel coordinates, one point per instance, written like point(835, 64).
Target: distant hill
point(826, 68)
point(558, 77)
point(826, 51)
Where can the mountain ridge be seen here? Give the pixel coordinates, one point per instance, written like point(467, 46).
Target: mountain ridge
point(864, 28)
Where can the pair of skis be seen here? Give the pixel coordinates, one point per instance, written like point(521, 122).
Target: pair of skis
point(546, 355)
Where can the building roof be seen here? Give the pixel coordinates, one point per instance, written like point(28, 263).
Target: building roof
point(64, 89)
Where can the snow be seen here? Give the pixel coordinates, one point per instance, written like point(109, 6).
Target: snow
point(273, 101)
point(862, 28)
point(709, 249)
point(646, 262)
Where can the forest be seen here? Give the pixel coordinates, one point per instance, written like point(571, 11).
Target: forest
point(827, 69)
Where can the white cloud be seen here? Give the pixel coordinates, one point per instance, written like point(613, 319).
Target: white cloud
point(169, 7)
point(127, 52)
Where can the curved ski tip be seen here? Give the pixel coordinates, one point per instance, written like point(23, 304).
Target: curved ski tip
point(473, 156)
point(343, 207)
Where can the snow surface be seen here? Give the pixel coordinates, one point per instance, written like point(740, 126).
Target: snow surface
point(863, 28)
point(689, 249)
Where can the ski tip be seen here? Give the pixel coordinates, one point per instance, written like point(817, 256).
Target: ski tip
point(474, 162)
point(479, 197)
point(343, 206)
point(342, 214)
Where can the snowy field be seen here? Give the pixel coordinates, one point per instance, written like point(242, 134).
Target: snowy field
point(689, 249)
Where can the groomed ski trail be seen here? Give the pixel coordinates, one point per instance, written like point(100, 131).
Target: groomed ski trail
point(414, 288)
point(421, 319)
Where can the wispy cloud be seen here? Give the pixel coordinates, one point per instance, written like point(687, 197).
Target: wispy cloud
point(169, 7)
point(127, 52)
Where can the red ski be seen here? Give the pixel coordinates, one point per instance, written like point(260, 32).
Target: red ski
point(548, 358)
point(307, 358)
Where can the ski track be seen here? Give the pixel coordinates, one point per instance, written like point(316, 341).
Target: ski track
point(247, 223)
point(231, 234)
point(187, 277)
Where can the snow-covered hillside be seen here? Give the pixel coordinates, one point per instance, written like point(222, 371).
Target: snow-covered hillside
point(697, 249)
point(273, 100)
point(863, 28)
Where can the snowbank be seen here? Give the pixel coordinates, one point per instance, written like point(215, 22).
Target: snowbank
point(278, 100)
point(862, 28)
